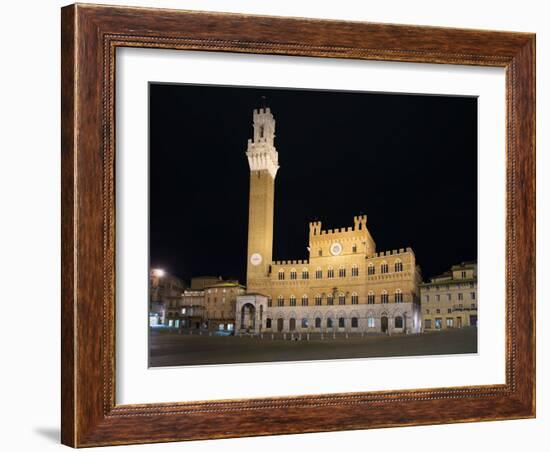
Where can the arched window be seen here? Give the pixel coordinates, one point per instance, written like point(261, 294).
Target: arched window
point(293, 273)
point(398, 266)
point(371, 270)
point(384, 297)
point(305, 300)
point(268, 323)
point(330, 272)
point(329, 323)
point(320, 252)
point(342, 272)
point(330, 300)
point(371, 323)
point(280, 301)
point(305, 323)
point(341, 299)
point(399, 322)
point(292, 324)
point(370, 297)
point(398, 296)
point(354, 270)
point(317, 322)
point(292, 300)
point(281, 274)
point(269, 302)
point(317, 300)
point(354, 248)
point(341, 322)
point(318, 273)
point(354, 298)
point(354, 322)
point(384, 268)
point(305, 273)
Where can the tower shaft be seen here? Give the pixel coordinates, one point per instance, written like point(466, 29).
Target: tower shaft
point(263, 162)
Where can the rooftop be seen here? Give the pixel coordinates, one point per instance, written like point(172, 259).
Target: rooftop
point(225, 284)
point(465, 264)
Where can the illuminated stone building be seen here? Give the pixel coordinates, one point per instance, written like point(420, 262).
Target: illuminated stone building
point(220, 304)
point(192, 308)
point(450, 300)
point(164, 298)
point(210, 303)
point(346, 285)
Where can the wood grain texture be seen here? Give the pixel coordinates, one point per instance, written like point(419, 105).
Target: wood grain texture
point(68, 244)
point(90, 36)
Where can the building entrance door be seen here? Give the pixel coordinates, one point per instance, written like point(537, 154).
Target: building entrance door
point(280, 324)
point(459, 322)
point(384, 324)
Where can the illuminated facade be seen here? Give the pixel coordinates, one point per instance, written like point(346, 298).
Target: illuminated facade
point(219, 305)
point(210, 304)
point(164, 298)
point(450, 300)
point(344, 286)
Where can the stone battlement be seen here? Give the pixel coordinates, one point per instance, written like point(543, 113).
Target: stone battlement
point(360, 224)
point(261, 111)
point(292, 262)
point(337, 230)
point(391, 252)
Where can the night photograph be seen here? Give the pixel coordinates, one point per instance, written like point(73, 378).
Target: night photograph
point(289, 225)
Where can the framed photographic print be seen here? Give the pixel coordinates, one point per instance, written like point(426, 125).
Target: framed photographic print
point(279, 225)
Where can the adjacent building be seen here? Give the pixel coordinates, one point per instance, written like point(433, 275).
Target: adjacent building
point(192, 308)
point(209, 303)
point(220, 304)
point(450, 300)
point(345, 285)
point(164, 298)
point(201, 282)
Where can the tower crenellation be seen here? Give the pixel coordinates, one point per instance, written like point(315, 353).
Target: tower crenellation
point(314, 228)
point(360, 222)
point(261, 151)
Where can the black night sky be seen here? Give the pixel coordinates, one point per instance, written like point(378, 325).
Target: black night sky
point(408, 162)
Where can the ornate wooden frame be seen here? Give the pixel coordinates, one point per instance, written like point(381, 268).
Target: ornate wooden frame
point(90, 35)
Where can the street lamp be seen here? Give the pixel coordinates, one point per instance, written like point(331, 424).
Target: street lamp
point(158, 272)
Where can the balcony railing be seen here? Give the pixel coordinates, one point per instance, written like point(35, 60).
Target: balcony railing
point(457, 307)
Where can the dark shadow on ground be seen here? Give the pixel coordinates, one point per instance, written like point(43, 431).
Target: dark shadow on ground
point(50, 433)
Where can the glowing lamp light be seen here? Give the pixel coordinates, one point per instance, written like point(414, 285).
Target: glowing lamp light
point(158, 272)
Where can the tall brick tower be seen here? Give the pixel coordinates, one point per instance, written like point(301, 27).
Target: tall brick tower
point(263, 161)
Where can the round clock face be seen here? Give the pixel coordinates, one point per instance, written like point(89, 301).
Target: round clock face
point(256, 259)
point(335, 249)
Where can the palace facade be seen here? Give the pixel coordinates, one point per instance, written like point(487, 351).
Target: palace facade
point(345, 285)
